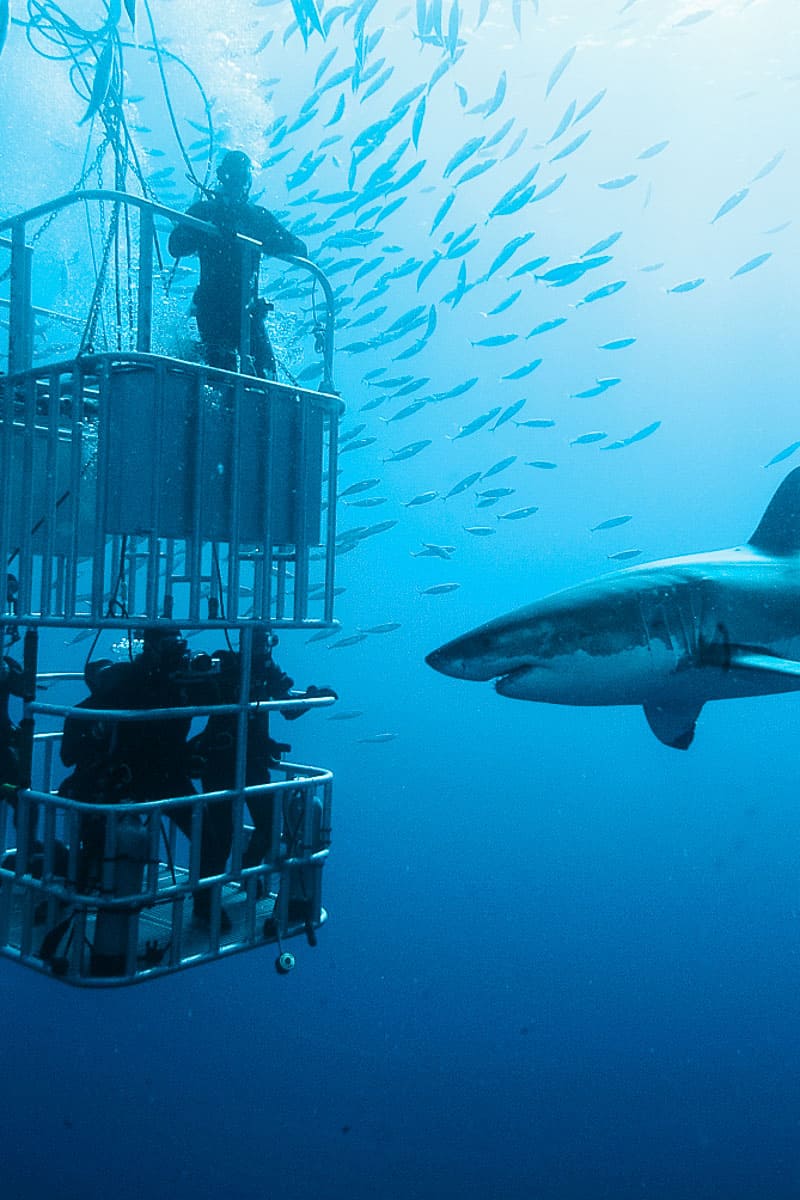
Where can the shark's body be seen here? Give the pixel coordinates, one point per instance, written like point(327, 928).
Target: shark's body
point(668, 635)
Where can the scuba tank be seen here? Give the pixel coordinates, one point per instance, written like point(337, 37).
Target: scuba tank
point(117, 926)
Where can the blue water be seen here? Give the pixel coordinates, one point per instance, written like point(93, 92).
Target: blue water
point(561, 960)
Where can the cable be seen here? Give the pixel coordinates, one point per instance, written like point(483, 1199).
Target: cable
point(170, 110)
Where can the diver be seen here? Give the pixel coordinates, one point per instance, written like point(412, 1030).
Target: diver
point(136, 761)
point(226, 269)
point(215, 748)
point(15, 775)
point(11, 684)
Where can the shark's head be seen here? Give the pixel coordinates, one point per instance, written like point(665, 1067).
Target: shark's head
point(516, 651)
point(478, 655)
point(580, 646)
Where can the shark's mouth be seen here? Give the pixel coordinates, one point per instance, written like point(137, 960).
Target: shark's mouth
point(506, 685)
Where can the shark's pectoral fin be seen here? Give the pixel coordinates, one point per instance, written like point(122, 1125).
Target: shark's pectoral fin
point(721, 653)
point(673, 724)
point(753, 660)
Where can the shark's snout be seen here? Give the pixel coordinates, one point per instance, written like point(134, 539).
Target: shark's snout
point(449, 660)
point(473, 656)
point(438, 660)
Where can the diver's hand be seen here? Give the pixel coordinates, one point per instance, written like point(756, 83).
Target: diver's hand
point(310, 693)
point(324, 690)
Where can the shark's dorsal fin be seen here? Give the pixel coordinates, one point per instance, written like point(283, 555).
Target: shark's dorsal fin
point(779, 529)
point(673, 724)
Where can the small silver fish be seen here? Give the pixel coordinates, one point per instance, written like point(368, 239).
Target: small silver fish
point(322, 635)
point(351, 640)
point(783, 454)
point(751, 264)
point(102, 81)
point(688, 286)
point(500, 339)
point(559, 69)
point(502, 465)
point(641, 434)
point(358, 444)
point(422, 498)
point(363, 486)
point(599, 293)
point(621, 182)
point(611, 523)
point(508, 413)
point(732, 202)
point(478, 423)
point(438, 589)
point(653, 150)
point(586, 438)
point(80, 636)
point(602, 385)
point(495, 493)
point(433, 551)
point(5, 22)
point(517, 514)
point(408, 451)
point(463, 484)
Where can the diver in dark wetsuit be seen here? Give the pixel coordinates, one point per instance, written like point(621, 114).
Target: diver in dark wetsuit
point(215, 748)
point(224, 263)
point(139, 760)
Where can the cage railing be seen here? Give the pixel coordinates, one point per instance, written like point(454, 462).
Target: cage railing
point(206, 493)
point(21, 309)
point(114, 881)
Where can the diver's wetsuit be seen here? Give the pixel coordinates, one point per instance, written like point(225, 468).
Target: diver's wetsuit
point(218, 297)
point(134, 760)
point(215, 751)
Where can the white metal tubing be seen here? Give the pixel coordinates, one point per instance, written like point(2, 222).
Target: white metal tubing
point(101, 496)
point(75, 483)
point(7, 481)
point(144, 318)
point(301, 524)
point(262, 591)
point(20, 339)
point(28, 433)
point(46, 522)
point(152, 606)
point(187, 710)
point(194, 548)
point(237, 433)
point(330, 517)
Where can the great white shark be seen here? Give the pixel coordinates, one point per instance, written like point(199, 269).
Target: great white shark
point(668, 635)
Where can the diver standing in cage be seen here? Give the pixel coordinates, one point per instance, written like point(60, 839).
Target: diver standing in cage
point(119, 761)
point(214, 750)
point(223, 262)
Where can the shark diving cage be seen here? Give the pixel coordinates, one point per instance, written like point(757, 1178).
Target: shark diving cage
point(149, 499)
